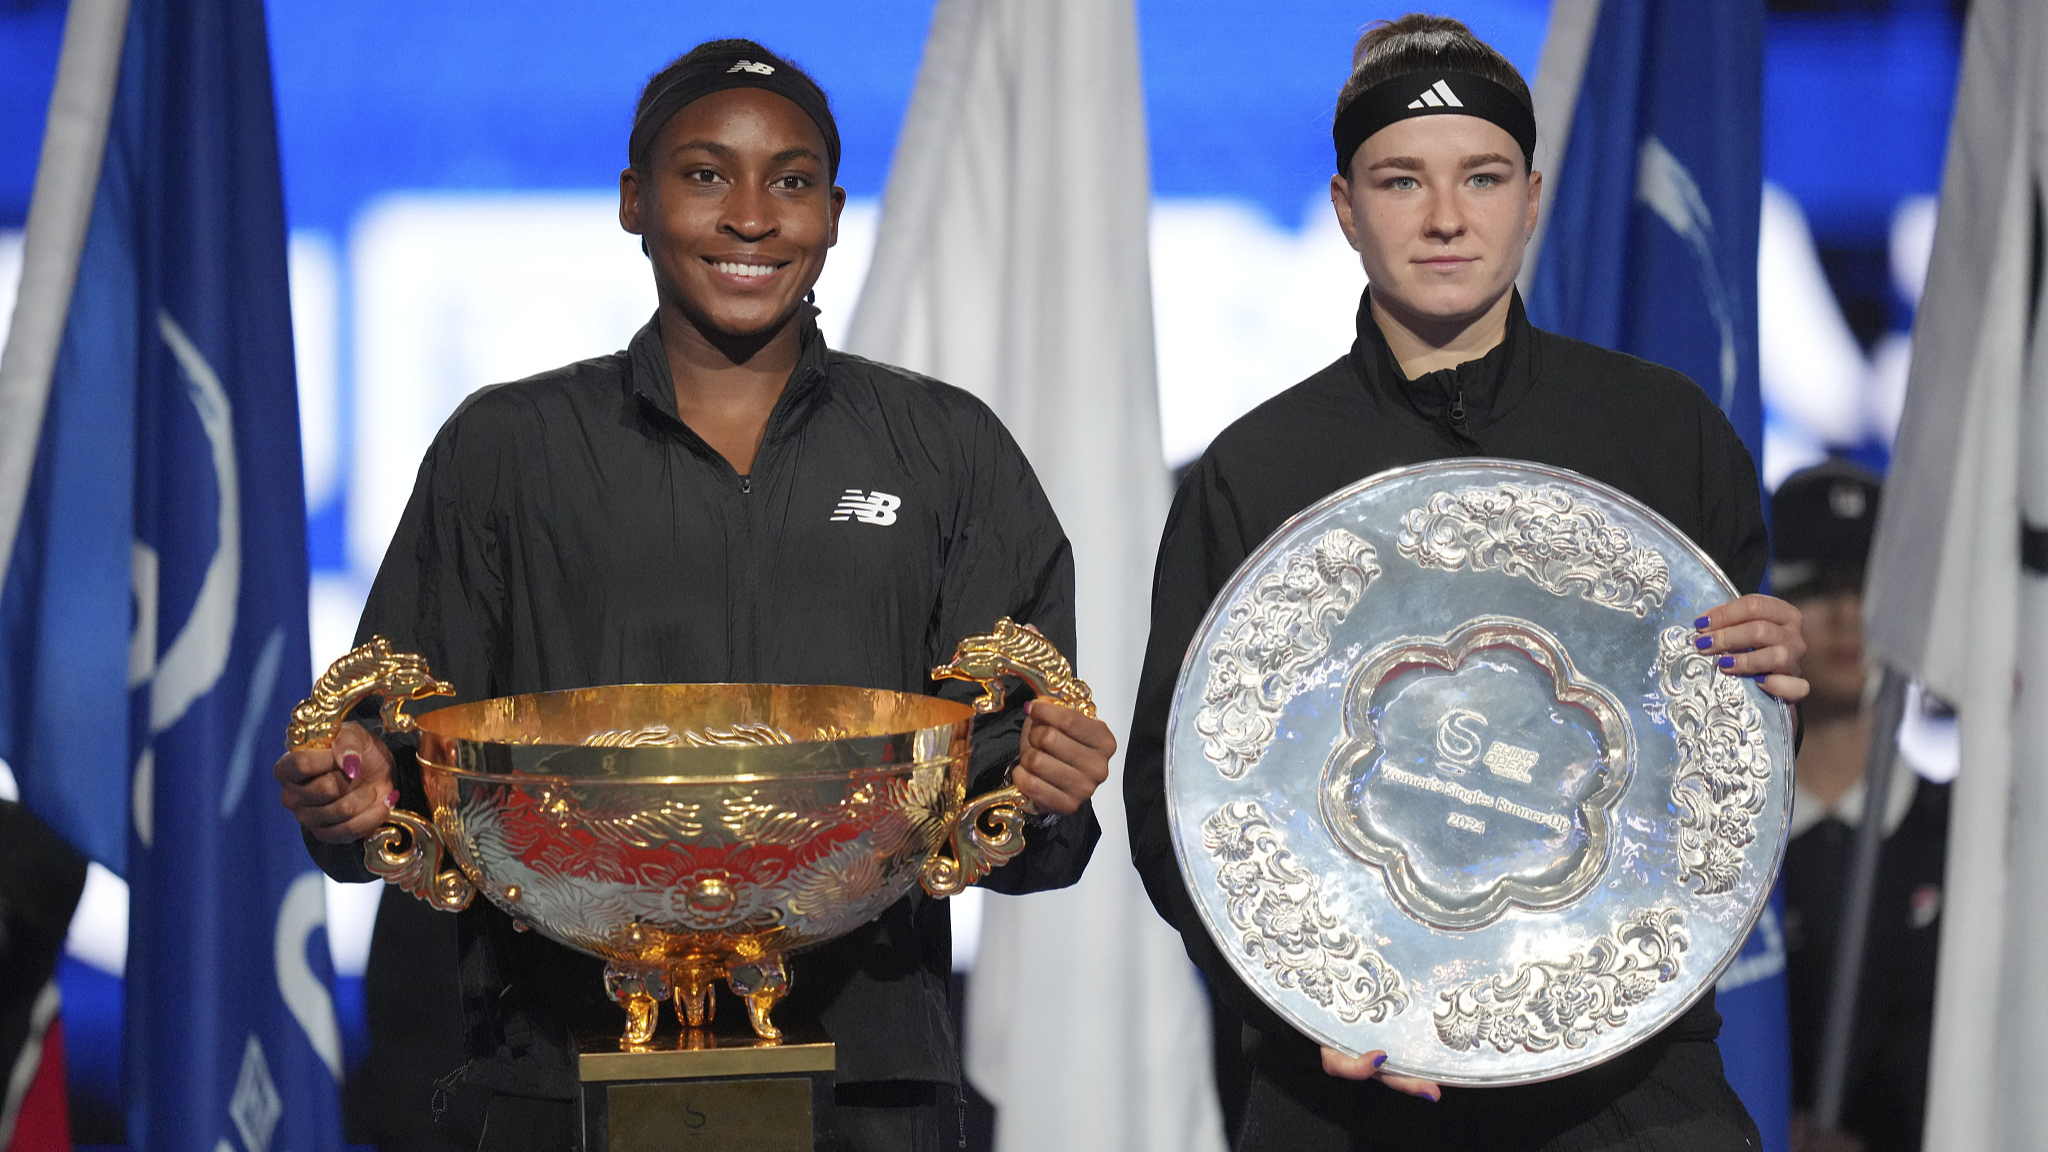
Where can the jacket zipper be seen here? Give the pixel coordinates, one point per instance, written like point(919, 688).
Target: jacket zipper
point(1458, 407)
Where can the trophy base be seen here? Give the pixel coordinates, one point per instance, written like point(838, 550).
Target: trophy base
point(701, 1088)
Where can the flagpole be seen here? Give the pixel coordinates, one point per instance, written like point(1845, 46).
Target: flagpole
point(1840, 1026)
point(67, 173)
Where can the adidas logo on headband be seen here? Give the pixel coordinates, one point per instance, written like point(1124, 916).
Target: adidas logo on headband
point(1390, 100)
point(1437, 95)
point(769, 70)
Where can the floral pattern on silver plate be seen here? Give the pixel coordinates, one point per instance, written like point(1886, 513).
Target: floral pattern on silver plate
point(1388, 782)
point(1541, 532)
point(1277, 630)
point(1284, 927)
point(1546, 1003)
point(1724, 773)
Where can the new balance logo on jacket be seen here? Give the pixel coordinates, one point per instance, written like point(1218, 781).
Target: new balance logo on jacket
point(1437, 95)
point(867, 507)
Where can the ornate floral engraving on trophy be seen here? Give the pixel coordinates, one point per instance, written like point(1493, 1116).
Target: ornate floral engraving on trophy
point(1274, 633)
point(1724, 772)
point(1543, 533)
point(1547, 1003)
point(663, 736)
point(1282, 923)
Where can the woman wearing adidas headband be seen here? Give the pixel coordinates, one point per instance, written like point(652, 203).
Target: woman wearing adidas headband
point(725, 500)
point(1434, 136)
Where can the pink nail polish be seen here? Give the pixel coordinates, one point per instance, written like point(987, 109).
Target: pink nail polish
point(391, 800)
point(351, 764)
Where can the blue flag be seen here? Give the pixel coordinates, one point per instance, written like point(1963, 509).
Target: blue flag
point(1756, 1040)
point(1650, 247)
point(153, 617)
point(1650, 242)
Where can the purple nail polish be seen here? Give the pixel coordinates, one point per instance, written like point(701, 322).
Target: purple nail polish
point(1428, 1097)
point(1702, 623)
point(1762, 676)
point(351, 764)
point(1704, 642)
point(1379, 1059)
point(1726, 661)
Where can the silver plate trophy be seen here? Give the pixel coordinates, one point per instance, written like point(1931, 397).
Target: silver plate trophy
point(1449, 777)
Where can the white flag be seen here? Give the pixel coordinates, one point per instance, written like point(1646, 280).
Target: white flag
point(1949, 601)
point(1012, 261)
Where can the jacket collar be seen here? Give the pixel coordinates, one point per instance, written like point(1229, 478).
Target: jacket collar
point(1489, 386)
point(647, 370)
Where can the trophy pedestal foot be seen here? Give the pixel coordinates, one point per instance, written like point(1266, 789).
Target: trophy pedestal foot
point(758, 1005)
point(641, 1013)
point(762, 984)
point(640, 992)
point(719, 1089)
point(695, 1005)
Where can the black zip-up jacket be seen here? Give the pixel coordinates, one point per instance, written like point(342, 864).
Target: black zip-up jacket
point(569, 530)
point(1647, 430)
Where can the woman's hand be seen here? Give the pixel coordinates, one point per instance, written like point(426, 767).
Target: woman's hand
point(1757, 636)
point(1367, 1067)
point(339, 794)
point(1063, 757)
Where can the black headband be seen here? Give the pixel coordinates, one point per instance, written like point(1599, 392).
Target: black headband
point(741, 68)
point(1433, 93)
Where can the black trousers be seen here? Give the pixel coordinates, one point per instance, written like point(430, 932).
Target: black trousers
point(1664, 1097)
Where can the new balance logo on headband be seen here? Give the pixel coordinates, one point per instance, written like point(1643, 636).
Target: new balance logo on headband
point(769, 69)
point(867, 507)
point(1437, 95)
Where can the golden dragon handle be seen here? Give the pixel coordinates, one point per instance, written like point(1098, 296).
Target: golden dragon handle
point(407, 850)
point(990, 830)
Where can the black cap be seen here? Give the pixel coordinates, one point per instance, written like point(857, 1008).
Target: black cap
point(1822, 520)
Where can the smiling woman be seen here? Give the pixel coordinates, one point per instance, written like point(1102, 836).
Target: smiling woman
point(736, 208)
point(678, 512)
point(731, 190)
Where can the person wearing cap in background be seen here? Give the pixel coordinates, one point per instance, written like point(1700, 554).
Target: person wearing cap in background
point(725, 500)
point(1821, 520)
point(1438, 197)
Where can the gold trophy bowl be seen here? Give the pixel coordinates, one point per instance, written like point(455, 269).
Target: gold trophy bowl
point(687, 833)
